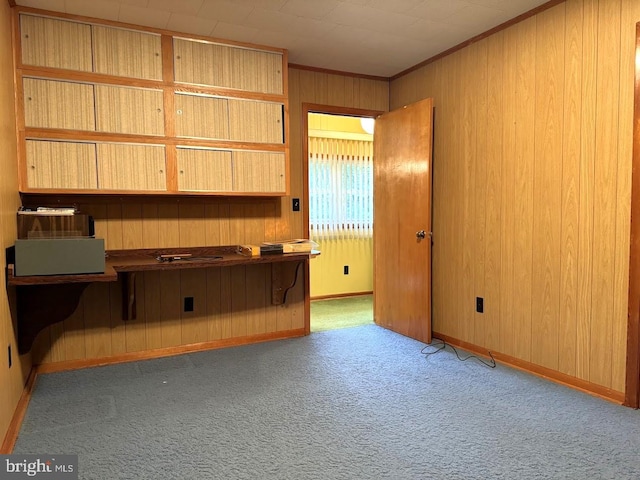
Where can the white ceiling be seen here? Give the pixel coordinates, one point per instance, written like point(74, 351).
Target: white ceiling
point(374, 37)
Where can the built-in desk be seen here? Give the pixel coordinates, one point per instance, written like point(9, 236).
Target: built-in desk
point(47, 299)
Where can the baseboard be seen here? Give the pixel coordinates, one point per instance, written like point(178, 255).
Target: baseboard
point(167, 351)
point(340, 295)
point(18, 415)
point(553, 375)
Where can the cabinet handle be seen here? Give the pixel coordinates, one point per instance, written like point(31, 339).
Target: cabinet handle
point(182, 171)
point(33, 167)
point(26, 35)
point(159, 110)
point(161, 171)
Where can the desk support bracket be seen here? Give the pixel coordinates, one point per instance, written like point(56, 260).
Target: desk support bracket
point(283, 278)
point(44, 305)
point(128, 280)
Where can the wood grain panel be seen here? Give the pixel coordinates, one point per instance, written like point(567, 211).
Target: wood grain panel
point(258, 172)
point(193, 283)
point(135, 329)
point(192, 225)
point(477, 329)
point(567, 329)
point(568, 126)
point(225, 66)
point(468, 151)
point(547, 187)
point(259, 122)
point(61, 165)
point(493, 207)
point(129, 110)
point(97, 334)
point(131, 167)
point(202, 117)
point(153, 309)
point(507, 215)
point(204, 170)
point(127, 53)
point(51, 104)
point(587, 180)
point(48, 42)
point(605, 188)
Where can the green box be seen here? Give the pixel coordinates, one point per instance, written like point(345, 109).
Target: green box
point(59, 256)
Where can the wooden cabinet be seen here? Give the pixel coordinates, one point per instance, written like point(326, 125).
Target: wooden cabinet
point(112, 109)
point(129, 110)
point(260, 122)
point(229, 118)
point(202, 117)
point(204, 170)
point(47, 42)
point(231, 171)
point(53, 104)
point(205, 63)
point(131, 167)
point(258, 172)
point(127, 53)
point(54, 165)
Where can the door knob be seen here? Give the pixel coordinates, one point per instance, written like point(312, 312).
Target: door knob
point(421, 234)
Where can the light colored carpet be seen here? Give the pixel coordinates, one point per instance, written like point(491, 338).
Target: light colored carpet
point(354, 403)
point(343, 312)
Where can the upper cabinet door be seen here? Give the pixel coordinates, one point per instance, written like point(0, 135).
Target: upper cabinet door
point(253, 121)
point(53, 104)
point(47, 42)
point(126, 53)
point(225, 66)
point(129, 110)
point(202, 117)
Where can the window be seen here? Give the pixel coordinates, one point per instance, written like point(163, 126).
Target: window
point(340, 188)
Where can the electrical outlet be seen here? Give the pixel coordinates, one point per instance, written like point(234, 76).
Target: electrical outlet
point(295, 204)
point(479, 304)
point(188, 304)
point(346, 269)
point(9, 353)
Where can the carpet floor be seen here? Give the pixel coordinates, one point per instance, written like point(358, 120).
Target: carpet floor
point(354, 403)
point(342, 312)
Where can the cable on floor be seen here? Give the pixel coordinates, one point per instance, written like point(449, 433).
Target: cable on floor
point(443, 345)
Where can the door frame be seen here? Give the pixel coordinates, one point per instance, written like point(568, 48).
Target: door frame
point(632, 390)
point(308, 108)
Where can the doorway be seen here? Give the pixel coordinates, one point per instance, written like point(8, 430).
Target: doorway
point(338, 178)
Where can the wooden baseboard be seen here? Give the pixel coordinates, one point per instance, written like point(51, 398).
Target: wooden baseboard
point(549, 374)
point(341, 295)
point(18, 415)
point(167, 351)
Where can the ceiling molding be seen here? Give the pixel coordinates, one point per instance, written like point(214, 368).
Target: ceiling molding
point(477, 38)
point(12, 3)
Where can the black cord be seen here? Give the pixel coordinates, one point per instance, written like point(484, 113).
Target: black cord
point(441, 346)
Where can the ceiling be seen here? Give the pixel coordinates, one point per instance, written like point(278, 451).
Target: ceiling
point(373, 37)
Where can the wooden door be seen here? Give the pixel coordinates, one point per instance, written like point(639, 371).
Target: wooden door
point(402, 220)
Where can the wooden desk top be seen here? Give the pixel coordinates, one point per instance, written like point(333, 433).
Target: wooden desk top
point(146, 260)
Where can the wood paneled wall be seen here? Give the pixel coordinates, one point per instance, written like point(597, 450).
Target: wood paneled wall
point(229, 303)
point(11, 379)
point(532, 182)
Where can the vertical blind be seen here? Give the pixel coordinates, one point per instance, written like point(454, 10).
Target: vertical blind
point(340, 188)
